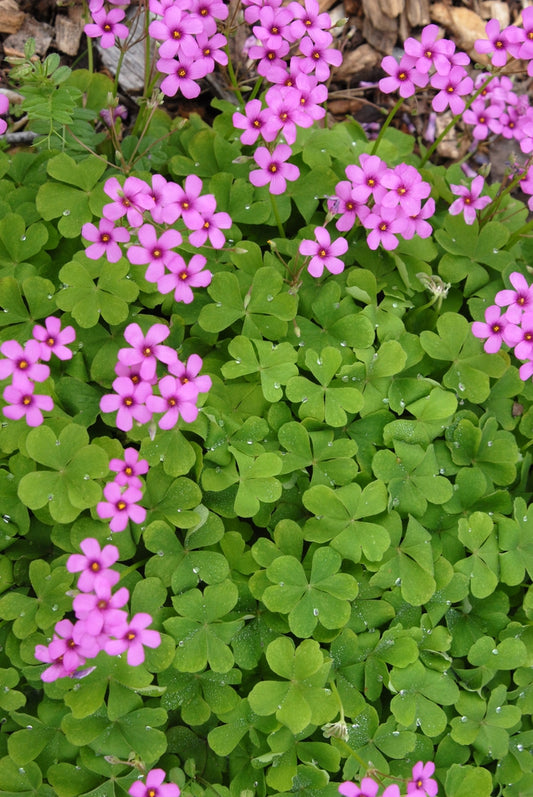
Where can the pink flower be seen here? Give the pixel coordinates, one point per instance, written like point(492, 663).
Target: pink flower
point(367, 179)
point(129, 469)
point(106, 238)
point(132, 638)
point(274, 171)
point(469, 199)
point(94, 564)
point(130, 200)
point(417, 224)
point(285, 113)
point(308, 20)
point(211, 227)
point(66, 652)
point(453, 86)
point(252, 121)
point(4, 108)
point(23, 361)
point(422, 784)
point(146, 349)
point(129, 399)
point(184, 276)
point(324, 253)
point(187, 373)
point(53, 339)
point(274, 26)
point(499, 43)
point(521, 337)
point(176, 28)
point(154, 786)
point(517, 301)
point(100, 611)
point(319, 55)
point(190, 203)
point(176, 400)
point(369, 788)
point(406, 188)
point(430, 51)
point(107, 24)
point(23, 403)
point(154, 251)
point(384, 225)
point(484, 118)
point(121, 506)
point(182, 75)
point(404, 76)
point(493, 328)
point(347, 203)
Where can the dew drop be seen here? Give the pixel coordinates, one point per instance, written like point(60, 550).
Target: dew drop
point(6, 518)
point(315, 612)
point(495, 651)
point(343, 343)
point(396, 733)
point(196, 570)
point(50, 497)
point(520, 747)
point(180, 643)
point(22, 237)
point(461, 387)
point(86, 477)
point(66, 212)
point(160, 553)
point(464, 719)
point(269, 297)
point(277, 385)
point(490, 443)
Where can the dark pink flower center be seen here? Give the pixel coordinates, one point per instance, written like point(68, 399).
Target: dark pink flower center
point(128, 471)
point(27, 400)
point(130, 636)
point(121, 505)
point(95, 567)
point(50, 341)
point(496, 328)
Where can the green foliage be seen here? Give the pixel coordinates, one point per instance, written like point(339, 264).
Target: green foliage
point(342, 537)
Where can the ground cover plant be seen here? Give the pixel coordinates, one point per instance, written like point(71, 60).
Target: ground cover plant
point(266, 425)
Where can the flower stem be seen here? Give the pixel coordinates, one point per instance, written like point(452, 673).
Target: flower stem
point(277, 216)
point(386, 124)
point(232, 76)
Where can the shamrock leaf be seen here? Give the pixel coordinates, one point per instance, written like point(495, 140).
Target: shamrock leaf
point(325, 597)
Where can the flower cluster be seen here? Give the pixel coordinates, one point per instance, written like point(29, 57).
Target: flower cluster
point(387, 202)
point(430, 61)
point(298, 91)
point(514, 326)
point(166, 203)
point(189, 43)
point(153, 786)
point(496, 108)
point(101, 623)
point(133, 398)
point(124, 492)
point(22, 364)
point(421, 784)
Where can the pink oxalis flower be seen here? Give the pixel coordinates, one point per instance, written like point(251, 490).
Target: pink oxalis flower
point(121, 505)
point(274, 171)
point(93, 565)
point(154, 786)
point(324, 253)
point(53, 339)
point(422, 784)
point(133, 637)
point(22, 402)
point(469, 199)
